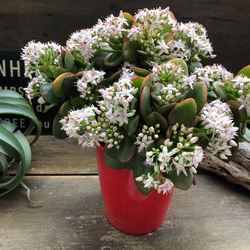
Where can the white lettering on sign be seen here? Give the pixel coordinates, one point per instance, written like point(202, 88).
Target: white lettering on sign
point(14, 68)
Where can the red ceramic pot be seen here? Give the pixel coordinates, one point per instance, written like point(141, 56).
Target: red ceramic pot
point(126, 208)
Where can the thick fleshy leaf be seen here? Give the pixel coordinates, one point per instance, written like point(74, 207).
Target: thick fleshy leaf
point(181, 63)
point(136, 83)
point(166, 36)
point(138, 170)
point(47, 93)
point(246, 136)
point(126, 150)
point(155, 118)
point(64, 85)
point(183, 113)
point(181, 181)
point(59, 72)
point(132, 124)
point(220, 91)
point(140, 71)
point(199, 94)
point(130, 20)
point(245, 71)
point(129, 50)
point(57, 128)
point(156, 89)
point(115, 76)
point(113, 59)
point(145, 107)
point(240, 114)
point(69, 63)
point(147, 81)
point(165, 110)
point(193, 65)
point(109, 156)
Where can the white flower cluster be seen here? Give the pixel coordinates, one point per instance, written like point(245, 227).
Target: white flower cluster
point(88, 41)
point(33, 88)
point(34, 52)
point(85, 41)
point(217, 121)
point(160, 19)
point(82, 124)
point(89, 79)
point(210, 74)
point(178, 154)
point(116, 100)
point(148, 28)
point(147, 136)
point(112, 26)
point(195, 40)
point(160, 35)
point(173, 82)
point(241, 84)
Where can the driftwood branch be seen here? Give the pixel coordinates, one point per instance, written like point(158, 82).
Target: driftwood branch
point(236, 171)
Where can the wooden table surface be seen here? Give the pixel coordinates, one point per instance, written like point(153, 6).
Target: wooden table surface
point(214, 214)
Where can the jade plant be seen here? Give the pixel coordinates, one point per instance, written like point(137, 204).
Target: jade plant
point(15, 149)
point(135, 84)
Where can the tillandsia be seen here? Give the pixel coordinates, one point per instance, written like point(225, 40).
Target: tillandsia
point(135, 84)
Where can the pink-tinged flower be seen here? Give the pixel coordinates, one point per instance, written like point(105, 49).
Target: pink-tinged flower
point(166, 187)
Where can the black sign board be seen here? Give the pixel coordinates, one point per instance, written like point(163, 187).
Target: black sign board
point(12, 78)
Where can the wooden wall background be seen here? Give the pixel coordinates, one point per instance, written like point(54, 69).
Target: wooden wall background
point(227, 21)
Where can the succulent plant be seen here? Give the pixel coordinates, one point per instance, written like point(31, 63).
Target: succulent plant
point(136, 85)
point(14, 147)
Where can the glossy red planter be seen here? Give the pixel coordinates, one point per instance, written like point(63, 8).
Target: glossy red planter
point(126, 208)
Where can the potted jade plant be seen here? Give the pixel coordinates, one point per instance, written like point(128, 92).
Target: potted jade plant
point(15, 151)
point(134, 87)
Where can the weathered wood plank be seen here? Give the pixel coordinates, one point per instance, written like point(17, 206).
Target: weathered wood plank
point(214, 214)
point(227, 22)
point(52, 156)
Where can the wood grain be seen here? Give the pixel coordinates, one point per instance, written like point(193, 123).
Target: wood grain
point(51, 156)
point(227, 22)
point(214, 214)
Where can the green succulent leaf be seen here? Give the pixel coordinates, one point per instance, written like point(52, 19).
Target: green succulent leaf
point(113, 59)
point(181, 63)
point(138, 170)
point(64, 85)
point(181, 181)
point(69, 61)
point(220, 91)
point(246, 135)
point(193, 65)
point(155, 118)
point(12, 102)
point(147, 81)
point(129, 50)
point(140, 71)
point(183, 113)
point(13, 144)
point(245, 71)
point(110, 159)
point(165, 110)
point(199, 94)
point(47, 93)
point(130, 20)
point(59, 72)
point(136, 83)
point(57, 127)
point(145, 107)
point(126, 150)
point(166, 36)
point(132, 124)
